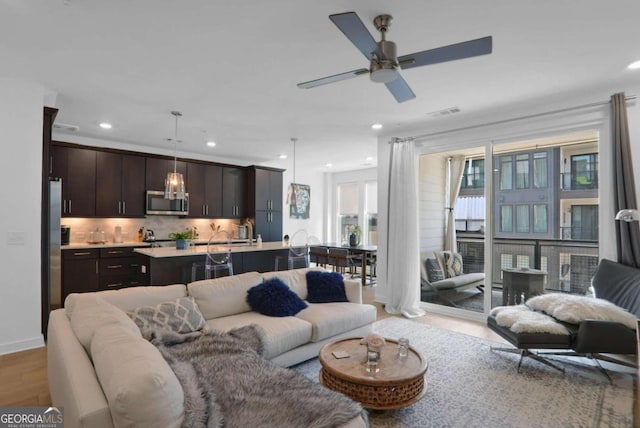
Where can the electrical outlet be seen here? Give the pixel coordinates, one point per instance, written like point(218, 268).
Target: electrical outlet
point(143, 268)
point(15, 238)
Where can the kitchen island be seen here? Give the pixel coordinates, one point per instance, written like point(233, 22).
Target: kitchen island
point(166, 265)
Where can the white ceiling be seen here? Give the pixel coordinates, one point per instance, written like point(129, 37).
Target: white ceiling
point(231, 67)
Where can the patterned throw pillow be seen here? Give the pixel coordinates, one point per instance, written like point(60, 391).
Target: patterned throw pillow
point(181, 315)
point(434, 273)
point(453, 263)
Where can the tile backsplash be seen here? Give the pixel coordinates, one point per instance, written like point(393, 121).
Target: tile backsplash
point(162, 226)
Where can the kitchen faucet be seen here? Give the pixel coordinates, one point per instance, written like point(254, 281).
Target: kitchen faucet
point(250, 230)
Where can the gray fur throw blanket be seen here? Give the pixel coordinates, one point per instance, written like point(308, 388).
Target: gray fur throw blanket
point(227, 383)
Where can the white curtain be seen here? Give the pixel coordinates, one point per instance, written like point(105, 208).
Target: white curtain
point(403, 261)
point(456, 169)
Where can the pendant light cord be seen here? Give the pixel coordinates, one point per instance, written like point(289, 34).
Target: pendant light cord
point(175, 142)
point(294, 158)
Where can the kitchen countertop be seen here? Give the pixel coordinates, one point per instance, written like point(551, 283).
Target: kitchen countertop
point(161, 252)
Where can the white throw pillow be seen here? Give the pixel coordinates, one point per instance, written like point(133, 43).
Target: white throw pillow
point(139, 385)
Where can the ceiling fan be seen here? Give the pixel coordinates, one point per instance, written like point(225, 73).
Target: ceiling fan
point(384, 63)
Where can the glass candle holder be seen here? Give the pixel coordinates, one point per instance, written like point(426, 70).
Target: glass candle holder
point(403, 347)
point(373, 357)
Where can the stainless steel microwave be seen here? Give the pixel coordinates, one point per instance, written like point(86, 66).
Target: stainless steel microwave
point(158, 205)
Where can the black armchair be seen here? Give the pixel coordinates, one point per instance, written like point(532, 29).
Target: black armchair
point(620, 285)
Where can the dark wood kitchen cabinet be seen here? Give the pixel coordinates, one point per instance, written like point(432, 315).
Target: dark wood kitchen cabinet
point(265, 202)
point(157, 169)
point(233, 192)
point(79, 271)
point(204, 185)
point(120, 185)
point(77, 168)
point(119, 267)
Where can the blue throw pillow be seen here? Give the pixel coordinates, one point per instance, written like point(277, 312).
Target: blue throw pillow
point(275, 299)
point(325, 287)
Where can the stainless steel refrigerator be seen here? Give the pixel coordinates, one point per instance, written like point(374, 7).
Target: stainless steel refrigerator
point(55, 256)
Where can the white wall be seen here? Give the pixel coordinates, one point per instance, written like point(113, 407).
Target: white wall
point(315, 224)
point(20, 173)
point(431, 182)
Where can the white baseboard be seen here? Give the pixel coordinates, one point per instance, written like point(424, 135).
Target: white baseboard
point(22, 345)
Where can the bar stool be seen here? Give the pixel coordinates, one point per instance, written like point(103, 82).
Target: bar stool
point(298, 256)
point(215, 260)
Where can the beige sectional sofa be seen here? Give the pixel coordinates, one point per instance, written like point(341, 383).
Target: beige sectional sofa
point(105, 374)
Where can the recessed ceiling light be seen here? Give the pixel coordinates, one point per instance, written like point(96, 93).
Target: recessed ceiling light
point(211, 143)
point(376, 126)
point(634, 65)
point(369, 158)
point(105, 125)
point(329, 165)
point(283, 156)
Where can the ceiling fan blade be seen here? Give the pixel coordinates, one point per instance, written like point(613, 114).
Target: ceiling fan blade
point(462, 50)
point(400, 89)
point(352, 27)
point(331, 79)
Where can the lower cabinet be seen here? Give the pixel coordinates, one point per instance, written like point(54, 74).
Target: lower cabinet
point(79, 271)
point(99, 269)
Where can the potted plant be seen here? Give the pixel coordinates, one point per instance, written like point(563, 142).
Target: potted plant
point(181, 238)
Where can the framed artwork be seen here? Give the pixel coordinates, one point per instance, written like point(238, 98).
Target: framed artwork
point(299, 201)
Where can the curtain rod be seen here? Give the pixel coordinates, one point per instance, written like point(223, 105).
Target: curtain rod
point(513, 119)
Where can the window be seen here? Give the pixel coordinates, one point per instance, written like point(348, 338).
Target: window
point(506, 173)
point(522, 218)
point(584, 171)
point(371, 213)
point(347, 210)
point(584, 222)
point(522, 171)
point(540, 221)
point(540, 170)
point(473, 177)
point(506, 218)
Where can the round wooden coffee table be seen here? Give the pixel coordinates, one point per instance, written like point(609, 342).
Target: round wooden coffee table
point(399, 382)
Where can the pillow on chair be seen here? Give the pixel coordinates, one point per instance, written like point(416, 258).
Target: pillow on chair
point(453, 263)
point(434, 273)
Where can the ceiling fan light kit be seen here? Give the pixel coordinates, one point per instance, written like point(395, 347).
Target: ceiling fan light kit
point(383, 59)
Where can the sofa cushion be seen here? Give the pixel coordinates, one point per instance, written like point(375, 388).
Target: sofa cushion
point(434, 272)
point(90, 313)
point(324, 287)
point(275, 299)
point(296, 279)
point(132, 297)
point(329, 319)
point(139, 385)
point(281, 333)
point(223, 296)
point(180, 315)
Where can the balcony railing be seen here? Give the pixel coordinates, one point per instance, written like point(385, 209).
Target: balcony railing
point(584, 180)
point(570, 265)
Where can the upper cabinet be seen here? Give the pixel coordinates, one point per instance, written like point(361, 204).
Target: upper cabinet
point(77, 168)
point(204, 185)
point(234, 184)
point(265, 202)
point(120, 185)
point(157, 169)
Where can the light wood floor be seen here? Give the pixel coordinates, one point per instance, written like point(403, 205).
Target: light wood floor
point(23, 375)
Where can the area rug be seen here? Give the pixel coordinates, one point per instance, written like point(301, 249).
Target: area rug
point(468, 385)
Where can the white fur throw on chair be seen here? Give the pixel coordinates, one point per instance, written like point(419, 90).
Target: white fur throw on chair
point(521, 319)
point(574, 309)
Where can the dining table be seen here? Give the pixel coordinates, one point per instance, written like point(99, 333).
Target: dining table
point(367, 252)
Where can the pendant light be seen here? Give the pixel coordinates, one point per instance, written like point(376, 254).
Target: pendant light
point(174, 187)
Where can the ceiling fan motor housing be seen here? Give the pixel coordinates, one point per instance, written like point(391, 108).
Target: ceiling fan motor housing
point(384, 68)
